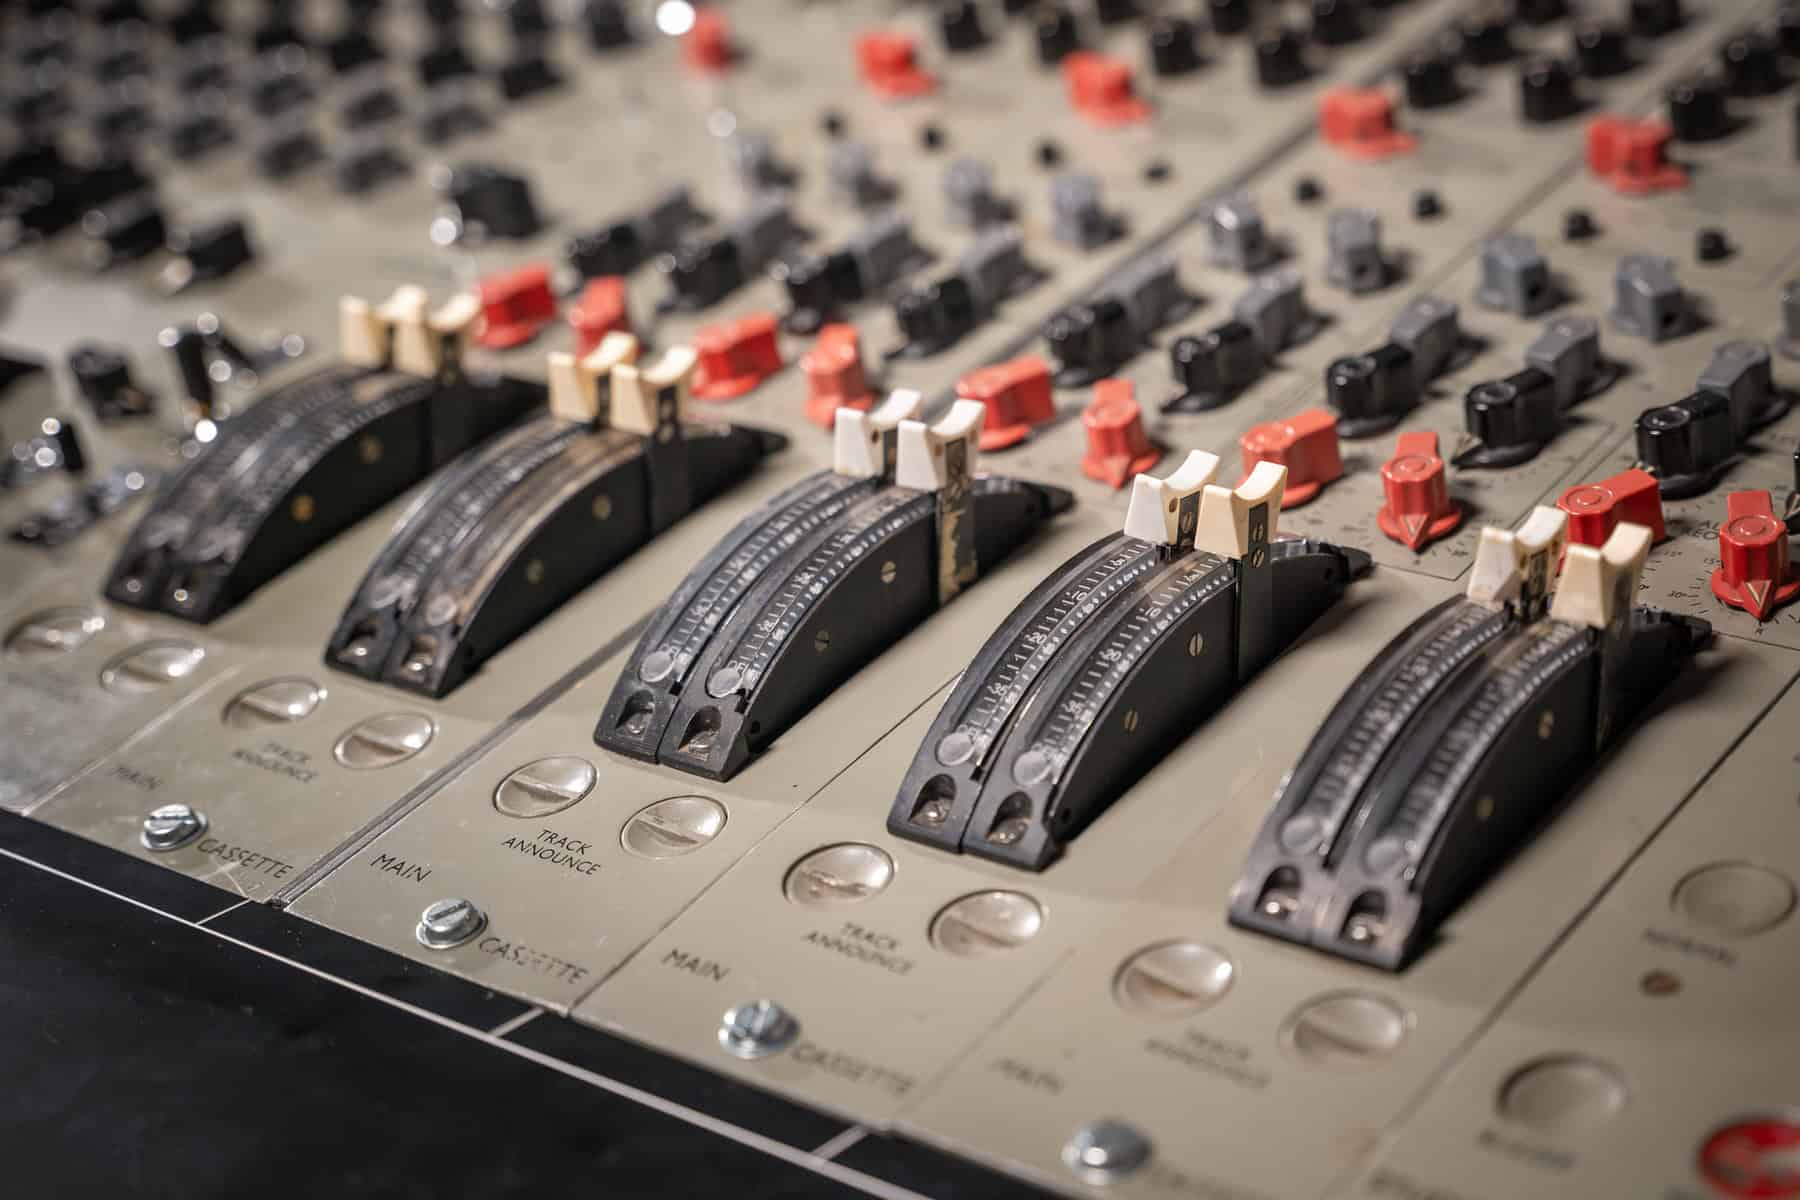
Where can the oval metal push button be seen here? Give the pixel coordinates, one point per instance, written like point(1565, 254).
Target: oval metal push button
point(985, 923)
point(1564, 1094)
point(53, 631)
point(146, 667)
point(1172, 979)
point(1735, 899)
point(274, 702)
point(384, 741)
point(1346, 1030)
point(833, 876)
point(673, 827)
point(546, 786)
point(1101, 1152)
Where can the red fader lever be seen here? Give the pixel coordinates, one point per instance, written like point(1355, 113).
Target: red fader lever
point(1631, 156)
point(1017, 396)
point(1419, 509)
point(1101, 89)
point(1360, 123)
point(1754, 573)
point(1118, 449)
point(835, 377)
point(889, 64)
point(735, 356)
point(515, 306)
point(1306, 444)
point(1596, 509)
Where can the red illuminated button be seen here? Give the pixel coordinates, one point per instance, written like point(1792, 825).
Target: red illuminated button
point(834, 375)
point(888, 64)
point(1306, 444)
point(1631, 156)
point(1595, 509)
point(1118, 449)
point(1754, 1160)
point(600, 310)
point(735, 356)
point(515, 306)
point(1360, 123)
point(1753, 573)
point(707, 45)
point(1017, 396)
point(1101, 89)
point(1419, 509)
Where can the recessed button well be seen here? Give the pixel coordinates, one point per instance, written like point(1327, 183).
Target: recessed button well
point(384, 741)
point(1735, 899)
point(274, 702)
point(53, 631)
point(673, 827)
point(1346, 1030)
point(1173, 979)
point(151, 665)
point(1564, 1094)
point(546, 786)
point(834, 876)
point(986, 923)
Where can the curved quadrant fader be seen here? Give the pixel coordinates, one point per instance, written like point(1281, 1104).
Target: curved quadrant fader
point(825, 576)
point(314, 456)
point(1113, 660)
point(1457, 738)
point(515, 528)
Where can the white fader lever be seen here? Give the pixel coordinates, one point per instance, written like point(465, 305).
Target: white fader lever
point(576, 391)
point(940, 459)
point(1599, 583)
point(403, 333)
point(1166, 511)
point(863, 443)
point(1516, 568)
point(365, 337)
point(1239, 522)
point(648, 399)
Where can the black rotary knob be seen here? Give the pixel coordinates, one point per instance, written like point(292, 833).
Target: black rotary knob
point(1430, 80)
point(1486, 38)
point(1546, 90)
point(1682, 444)
point(1174, 46)
point(1280, 58)
point(1228, 16)
point(1511, 419)
point(1654, 18)
point(1371, 392)
point(1697, 109)
point(959, 26)
point(1057, 34)
point(1601, 50)
point(1336, 22)
point(1751, 64)
point(1540, 12)
point(1217, 365)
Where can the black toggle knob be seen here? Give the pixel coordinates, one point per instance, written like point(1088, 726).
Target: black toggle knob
point(1540, 12)
point(608, 24)
point(1057, 34)
point(1654, 18)
point(934, 316)
point(1218, 364)
point(1751, 64)
point(528, 18)
point(213, 250)
point(1174, 46)
point(1115, 12)
point(103, 377)
point(1486, 39)
point(352, 49)
point(1431, 80)
point(500, 201)
point(1547, 90)
point(126, 230)
point(1684, 443)
point(1280, 58)
point(1092, 339)
point(1228, 16)
point(1336, 22)
point(959, 26)
point(1697, 109)
point(1371, 392)
point(1787, 28)
point(1512, 418)
point(1601, 50)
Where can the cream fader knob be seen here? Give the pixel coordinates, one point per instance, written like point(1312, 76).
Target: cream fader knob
point(1598, 583)
point(928, 456)
point(1226, 514)
point(1167, 510)
point(1516, 568)
point(863, 443)
point(575, 381)
point(640, 395)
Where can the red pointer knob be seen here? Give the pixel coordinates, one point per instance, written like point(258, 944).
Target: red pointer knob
point(735, 356)
point(515, 306)
point(1306, 444)
point(1419, 509)
point(1017, 396)
point(1100, 89)
point(1595, 509)
point(600, 310)
point(1118, 449)
point(707, 46)
point(888, 64)
point(1631, 156)
point(834, 375)
point(1360, 123)
point(1753, 574)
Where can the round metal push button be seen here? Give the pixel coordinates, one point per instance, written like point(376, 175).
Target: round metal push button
point(384, 741)
point(53, 631)
point(274, 702)
point(1106, 1150)
point(1172, 979)
point(546, 786)
point(834, 876)
point(986, 923)
point(1346, 1030)
point(1735, 899)
point(673, 827)
point(146, 667)
point(1565, 1094)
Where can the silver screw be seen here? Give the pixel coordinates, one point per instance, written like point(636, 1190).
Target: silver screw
point(757, 1029)
point(1103, 1151)
point(172, 826)
point(449, 922)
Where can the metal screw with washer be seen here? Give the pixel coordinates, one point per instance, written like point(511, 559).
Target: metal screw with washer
point(450, 922)
point(757, 1029)
point(172, 826)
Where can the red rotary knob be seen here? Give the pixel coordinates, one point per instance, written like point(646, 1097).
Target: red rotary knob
point(600, 310)
point(888, 63)
point(707, 46)
point(515, 306)
point(1306, 444)
point(835, 377)
point(1017, 396)
point(1631, 157)
point(1101, 89)
point(1419, 509)
point(1359, 122)
point(1753, 573)
point(1118, 449)
point(1596, 509)
point(735, 356)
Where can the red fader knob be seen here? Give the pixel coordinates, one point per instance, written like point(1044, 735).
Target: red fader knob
point(515, 306)
point(1419, 509)
point(1360, 123)
point(1101, 89)
point(707, 45)
point(1632, 156)
point(735, 356)
point(1753, 573)
point(1118, 449)
point(1595, 509)
point(888, 63)
point(1016, 394)
point(600, 310)
point(1306, 444)
point(834, 375)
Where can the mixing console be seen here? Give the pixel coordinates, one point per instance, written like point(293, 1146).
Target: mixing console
point(1172, 598)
